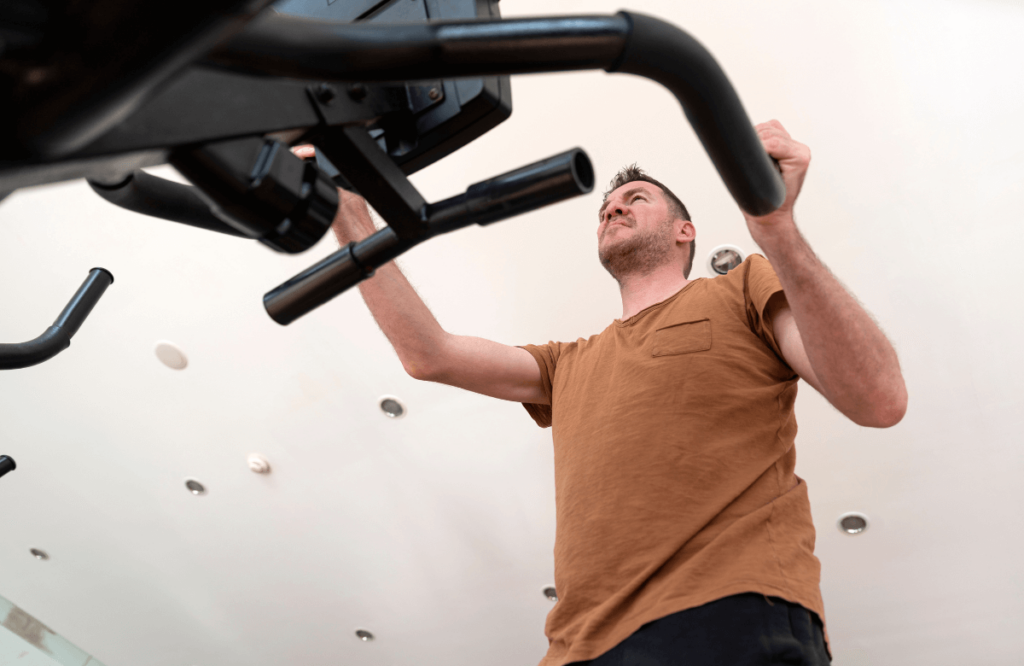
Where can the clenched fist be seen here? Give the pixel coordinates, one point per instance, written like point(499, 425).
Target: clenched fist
point(794, 159)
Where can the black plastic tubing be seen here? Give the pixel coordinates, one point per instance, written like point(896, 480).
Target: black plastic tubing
point(627, 42)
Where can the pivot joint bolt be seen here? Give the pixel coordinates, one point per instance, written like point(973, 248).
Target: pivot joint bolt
point(325, 94)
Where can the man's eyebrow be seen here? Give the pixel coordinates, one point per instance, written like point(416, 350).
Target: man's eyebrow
point(627, 193)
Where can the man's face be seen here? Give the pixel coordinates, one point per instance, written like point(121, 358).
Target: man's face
point(635, 234)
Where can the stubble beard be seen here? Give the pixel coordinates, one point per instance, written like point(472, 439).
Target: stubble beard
point(638, 255)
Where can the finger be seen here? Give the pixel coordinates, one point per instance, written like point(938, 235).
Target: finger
point(773, 128)
point(305, 151)
point(777, 125)
point(781, 147)
point(773, 133)
point(766, 132)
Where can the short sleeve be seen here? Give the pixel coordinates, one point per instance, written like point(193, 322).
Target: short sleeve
point(546, 357)
point(760, 284)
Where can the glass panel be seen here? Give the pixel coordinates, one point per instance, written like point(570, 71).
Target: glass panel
point(26, 641)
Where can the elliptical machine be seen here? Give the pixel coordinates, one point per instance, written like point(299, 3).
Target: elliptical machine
point(381, 88)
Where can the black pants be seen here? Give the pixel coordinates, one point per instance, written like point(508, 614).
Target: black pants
point(741, 630)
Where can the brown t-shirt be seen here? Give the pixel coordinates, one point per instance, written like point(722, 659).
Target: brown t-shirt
point(674, 465)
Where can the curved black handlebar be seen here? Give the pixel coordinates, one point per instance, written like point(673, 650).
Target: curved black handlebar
point(662, 52)
point(57, 337)
point(626, 42)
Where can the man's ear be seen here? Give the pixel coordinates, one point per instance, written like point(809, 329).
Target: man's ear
point(684, 235)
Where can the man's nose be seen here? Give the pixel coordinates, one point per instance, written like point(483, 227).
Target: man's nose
point(613, 211)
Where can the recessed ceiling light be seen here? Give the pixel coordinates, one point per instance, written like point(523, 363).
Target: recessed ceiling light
point(364, 635)
point(392, 406)
point(853, 522)
point(171, 355)
point(195, 487)
point(550, 593)
point(39, 554)
point(723, 259)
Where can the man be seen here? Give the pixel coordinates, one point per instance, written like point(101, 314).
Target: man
point(683, 534)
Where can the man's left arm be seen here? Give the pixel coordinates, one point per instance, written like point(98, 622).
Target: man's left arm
point(823, 332)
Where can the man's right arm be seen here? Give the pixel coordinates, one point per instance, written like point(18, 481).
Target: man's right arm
point(427, 351)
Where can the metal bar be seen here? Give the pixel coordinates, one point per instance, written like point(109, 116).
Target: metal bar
point(627, 42)
point(375, 175)
point(289, 46)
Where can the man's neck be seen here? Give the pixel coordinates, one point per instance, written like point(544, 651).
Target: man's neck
point(642, 291)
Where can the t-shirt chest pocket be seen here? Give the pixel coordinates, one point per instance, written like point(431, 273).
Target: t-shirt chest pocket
point(682, 338)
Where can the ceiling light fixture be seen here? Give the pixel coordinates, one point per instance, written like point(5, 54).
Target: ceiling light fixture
point(392, 406)
point(195, 487)
point(723, 259)
point(39, 554)
point(171, 355)
point(259, 464)
point(550, 593)
point(364, 635)
point(852, 522)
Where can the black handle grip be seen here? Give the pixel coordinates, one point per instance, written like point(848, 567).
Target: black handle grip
point(540, 184)
point(7, 465)
point(57, 338)
point(315, 286)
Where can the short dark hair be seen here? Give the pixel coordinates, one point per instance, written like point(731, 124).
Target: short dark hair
point(633, 173)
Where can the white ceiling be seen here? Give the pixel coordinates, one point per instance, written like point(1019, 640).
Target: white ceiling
point(435, 531)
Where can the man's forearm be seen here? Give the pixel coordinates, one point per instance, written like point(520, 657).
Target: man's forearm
point(854, 362)
point(396, 307)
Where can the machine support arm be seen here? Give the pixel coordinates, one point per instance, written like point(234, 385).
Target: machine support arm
point(626, 42)
point(158, 197)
